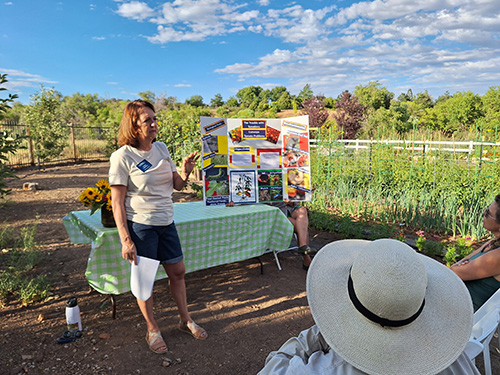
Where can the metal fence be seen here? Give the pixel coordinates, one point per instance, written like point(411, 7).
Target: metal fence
point(86, 144)
point(83, 144)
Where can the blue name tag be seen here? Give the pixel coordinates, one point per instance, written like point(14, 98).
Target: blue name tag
point(144, 165)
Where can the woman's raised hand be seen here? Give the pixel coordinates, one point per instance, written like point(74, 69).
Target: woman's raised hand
point(189, 162)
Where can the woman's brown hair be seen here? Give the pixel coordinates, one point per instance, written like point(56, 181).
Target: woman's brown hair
point(127, 134)
point(497, 216)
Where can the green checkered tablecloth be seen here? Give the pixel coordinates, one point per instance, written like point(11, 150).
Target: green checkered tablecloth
point(210, 236)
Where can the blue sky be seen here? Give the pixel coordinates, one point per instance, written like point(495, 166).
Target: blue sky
point(183, 48)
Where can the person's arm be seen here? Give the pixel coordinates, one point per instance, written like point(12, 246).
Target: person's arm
point(301, 347)
point(484, 266)
point(466, 259)
point(118, 193)
point(289, 202)
point(188, 164)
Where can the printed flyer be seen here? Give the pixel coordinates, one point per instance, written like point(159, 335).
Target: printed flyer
point(255, 160)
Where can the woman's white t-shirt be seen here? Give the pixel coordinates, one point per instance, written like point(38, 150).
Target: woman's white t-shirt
point(148, 176)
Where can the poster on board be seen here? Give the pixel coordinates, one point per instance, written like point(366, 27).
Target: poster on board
point(255, 160)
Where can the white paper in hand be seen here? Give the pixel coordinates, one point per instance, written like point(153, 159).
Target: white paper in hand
point(142, 277)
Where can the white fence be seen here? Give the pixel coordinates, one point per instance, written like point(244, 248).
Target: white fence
point(419, 146)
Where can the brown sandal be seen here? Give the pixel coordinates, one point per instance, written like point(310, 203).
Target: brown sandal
point(193, 329)
point(155, 342)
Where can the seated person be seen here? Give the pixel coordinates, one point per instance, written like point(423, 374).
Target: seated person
point(380, 308)
point(298, 217)
point(480, 270)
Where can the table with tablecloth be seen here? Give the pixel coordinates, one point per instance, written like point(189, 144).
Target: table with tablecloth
point(210, 236)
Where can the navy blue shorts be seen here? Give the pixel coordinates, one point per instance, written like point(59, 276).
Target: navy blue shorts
point(156, 242)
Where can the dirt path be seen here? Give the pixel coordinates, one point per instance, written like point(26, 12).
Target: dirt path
point(247, 314)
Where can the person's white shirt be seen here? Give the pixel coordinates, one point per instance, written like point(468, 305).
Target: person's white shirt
point(310, 354)
point(148, 176)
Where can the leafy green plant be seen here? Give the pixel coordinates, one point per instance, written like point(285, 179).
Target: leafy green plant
point(34, 290)
point(399, 235)
point(197, 188)
point(437, 190)
point(17, 265)
point(9, 143)
point(421, 241)
point(43, 116)
point(460, 249)
point(450, 256)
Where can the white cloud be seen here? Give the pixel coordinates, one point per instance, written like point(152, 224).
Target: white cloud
point(405, 41)
point(191, 20)
point(182, 85)
point(135, 10)
point(8, 3)
point(17, 79)
point(168, 34)
point(111, 83)
point(98, 38)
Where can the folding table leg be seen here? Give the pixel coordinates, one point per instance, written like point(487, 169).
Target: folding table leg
point(277, 260)
point(113, 304)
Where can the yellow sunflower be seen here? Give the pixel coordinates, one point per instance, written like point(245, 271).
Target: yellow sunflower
point(91, 193)
point(98, 197)
point(103, 184)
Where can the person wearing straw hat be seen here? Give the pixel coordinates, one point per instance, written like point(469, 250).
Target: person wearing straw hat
point(380, 308)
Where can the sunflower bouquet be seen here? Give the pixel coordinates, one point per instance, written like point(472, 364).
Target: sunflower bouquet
point(98, 197)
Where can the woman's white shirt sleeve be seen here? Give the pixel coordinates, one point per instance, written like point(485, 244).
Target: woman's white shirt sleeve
point(310, 354)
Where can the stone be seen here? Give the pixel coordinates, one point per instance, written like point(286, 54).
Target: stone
point(33, 186)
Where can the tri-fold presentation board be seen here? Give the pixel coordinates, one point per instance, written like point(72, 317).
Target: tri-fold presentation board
point(255, 160)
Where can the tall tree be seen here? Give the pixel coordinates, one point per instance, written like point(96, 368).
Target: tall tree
point(458, 113)
point(491, 102)
point(43, 116)
point(232, 102)
point(373, 95)
point(277, 92)
point(315, 108)
point(284, 101)
point(14, 112)
point(8, 143)
point(195, 101)
point(5, 102)
point(216, 101)
point(304, 94)
point(148, 96)
point(81, 109)
point(248, 95)
point(349, 114)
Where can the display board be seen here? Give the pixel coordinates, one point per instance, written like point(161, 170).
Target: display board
point(255, 160)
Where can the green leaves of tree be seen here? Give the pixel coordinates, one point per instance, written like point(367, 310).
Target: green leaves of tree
point(43, 116)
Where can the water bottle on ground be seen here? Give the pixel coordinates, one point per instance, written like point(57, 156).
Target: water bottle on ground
point(73, 318)
point(73, 322)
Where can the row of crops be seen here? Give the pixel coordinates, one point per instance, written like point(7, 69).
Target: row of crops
point(399, 184)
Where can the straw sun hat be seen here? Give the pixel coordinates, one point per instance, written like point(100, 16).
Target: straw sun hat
point(412, 316)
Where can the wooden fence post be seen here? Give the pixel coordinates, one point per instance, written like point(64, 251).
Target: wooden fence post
point(31, 155)
point(73, 143)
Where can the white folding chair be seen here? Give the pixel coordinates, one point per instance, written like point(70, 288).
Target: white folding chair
point(473, 349)
point(486, 323)
point(293, 246)
point(491, 304)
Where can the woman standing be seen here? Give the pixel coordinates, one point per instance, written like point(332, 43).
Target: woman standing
point(480, 270)
point(142, 177)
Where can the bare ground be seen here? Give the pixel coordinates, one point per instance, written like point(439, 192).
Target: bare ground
point(247, 314)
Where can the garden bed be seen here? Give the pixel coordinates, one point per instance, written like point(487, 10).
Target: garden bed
point(247, 314)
